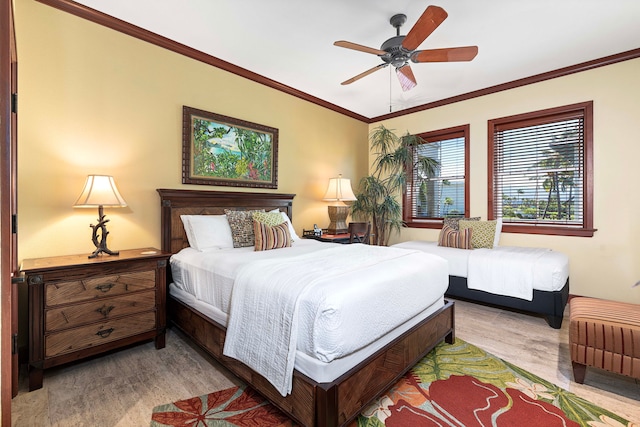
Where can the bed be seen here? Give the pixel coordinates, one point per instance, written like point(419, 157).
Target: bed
point(314, 400)
point(550, 279)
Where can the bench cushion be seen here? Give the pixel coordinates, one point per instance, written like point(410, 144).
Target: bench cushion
point(606, 335)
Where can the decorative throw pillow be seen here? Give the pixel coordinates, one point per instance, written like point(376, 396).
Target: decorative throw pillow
point(241, 223)
point(269, 218)
point(271, 237)
point(484, 233)
point(455, 239)
point(453, 221)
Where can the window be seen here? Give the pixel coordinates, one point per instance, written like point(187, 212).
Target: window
point(540, 171)
point(428, 199)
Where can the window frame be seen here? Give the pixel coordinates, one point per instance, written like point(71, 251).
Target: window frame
point(584, 110)
point(407, 201)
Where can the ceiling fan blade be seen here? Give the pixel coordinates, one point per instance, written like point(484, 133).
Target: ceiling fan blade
point(406, 77)
point(366, 73)
point(431, 18)
point(452, 54)
point(361, 48)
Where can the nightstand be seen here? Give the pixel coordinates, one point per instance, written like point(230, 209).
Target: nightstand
point(81, 307)
point(331, 238)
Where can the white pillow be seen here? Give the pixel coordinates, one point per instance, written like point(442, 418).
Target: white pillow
point(292, 232)
point(206, 232)
point(496, 238)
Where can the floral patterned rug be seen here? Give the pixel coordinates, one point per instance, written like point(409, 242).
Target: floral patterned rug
point(454, 385)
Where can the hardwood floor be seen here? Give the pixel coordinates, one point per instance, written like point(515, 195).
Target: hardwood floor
point(121, 389)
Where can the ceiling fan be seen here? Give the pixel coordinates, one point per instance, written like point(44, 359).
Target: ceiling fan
point(399, 50)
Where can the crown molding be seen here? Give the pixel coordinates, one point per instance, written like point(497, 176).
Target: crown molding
point(161, 41)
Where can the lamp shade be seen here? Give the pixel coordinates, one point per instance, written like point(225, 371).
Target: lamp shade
point(99, 190)
point(339, 189)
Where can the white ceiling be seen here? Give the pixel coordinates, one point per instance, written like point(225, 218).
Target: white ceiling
point(291, 41)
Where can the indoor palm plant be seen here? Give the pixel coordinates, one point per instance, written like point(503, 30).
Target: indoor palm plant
point(379, 194)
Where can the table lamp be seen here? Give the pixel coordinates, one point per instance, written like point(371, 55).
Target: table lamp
point(100, 191)
point(339, 190)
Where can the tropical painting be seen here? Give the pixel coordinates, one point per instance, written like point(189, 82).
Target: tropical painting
point(220, 150)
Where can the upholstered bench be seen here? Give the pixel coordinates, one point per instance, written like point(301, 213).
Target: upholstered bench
point(606, 335)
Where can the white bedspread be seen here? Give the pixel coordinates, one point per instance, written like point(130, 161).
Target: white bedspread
point(337, 320)
point(508, 272)
point(210, 275)
point(263, 320)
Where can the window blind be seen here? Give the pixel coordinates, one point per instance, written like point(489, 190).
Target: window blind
point(443, 193)
point(539, 171)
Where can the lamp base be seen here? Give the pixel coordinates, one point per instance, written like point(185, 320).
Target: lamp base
point(100, 251)
point(100, 231)
point(338, 219)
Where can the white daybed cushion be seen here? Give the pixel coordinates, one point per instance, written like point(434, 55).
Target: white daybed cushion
point(458, 258)
point(550, 273)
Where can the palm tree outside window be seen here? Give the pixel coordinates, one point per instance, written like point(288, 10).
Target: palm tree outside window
point(540, 175)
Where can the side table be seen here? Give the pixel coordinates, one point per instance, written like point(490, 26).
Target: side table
point(81, 307)
point(331, 238)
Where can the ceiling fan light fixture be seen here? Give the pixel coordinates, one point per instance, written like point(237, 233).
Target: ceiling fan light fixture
point(406, 78)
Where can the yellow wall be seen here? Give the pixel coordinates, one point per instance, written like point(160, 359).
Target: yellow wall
point(607, 264)
point(93, 100)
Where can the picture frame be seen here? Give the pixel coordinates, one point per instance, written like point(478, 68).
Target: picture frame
point(222, 150)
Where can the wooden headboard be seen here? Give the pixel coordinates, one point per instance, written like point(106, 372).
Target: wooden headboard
point(174, 203)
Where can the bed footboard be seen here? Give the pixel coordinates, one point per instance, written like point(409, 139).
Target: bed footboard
point(325, 404)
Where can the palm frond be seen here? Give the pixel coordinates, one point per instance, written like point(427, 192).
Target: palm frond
point(383, 140)
point(427, 165)
point(379, 194)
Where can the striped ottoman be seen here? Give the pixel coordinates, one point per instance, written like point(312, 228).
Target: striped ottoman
point(606, 335)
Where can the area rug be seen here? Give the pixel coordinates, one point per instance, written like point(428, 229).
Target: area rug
point(454, 385)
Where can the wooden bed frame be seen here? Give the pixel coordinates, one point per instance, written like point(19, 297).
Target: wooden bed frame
point(310, 403)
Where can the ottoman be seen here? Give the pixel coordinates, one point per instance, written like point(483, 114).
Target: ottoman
point(604, 334)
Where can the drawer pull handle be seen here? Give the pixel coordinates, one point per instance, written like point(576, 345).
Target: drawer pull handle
point(106, 287)
point(104, 310)
point(105, 333)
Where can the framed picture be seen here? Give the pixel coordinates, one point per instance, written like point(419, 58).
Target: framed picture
point(220, 150)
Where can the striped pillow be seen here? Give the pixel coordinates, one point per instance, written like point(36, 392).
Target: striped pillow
point(455, 239)
point(268, 237)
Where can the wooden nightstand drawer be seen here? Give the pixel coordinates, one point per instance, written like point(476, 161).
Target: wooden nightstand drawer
point(96, 334)
point(98, 287)
point(79, 314)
